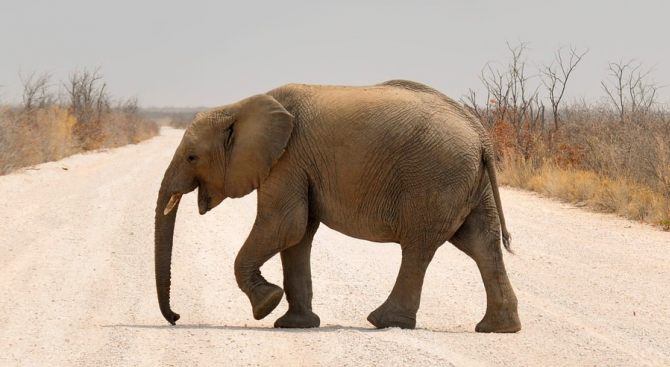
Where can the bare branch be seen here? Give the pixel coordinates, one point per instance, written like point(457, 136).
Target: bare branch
point(36, 90)
point(555, 78)
point(630, 91)
point(512, 99)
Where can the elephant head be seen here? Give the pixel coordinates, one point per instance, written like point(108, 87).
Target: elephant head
point(225, 152)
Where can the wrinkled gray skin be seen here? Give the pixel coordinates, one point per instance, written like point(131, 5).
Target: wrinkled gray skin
point(395, 162)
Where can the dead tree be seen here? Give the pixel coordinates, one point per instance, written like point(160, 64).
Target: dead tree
point(555, 77)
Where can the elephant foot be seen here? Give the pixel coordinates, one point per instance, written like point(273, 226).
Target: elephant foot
point(499, 322)
point(390, 314)
point(298, 319)
point(264, 299)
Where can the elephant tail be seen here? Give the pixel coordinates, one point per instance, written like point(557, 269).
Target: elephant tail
point(489, 162)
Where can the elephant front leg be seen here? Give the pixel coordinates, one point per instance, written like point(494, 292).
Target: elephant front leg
point(298, 283)
point(263, 295)
point(272, 232)
point(401, 307)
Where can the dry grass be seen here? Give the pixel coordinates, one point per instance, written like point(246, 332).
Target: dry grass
point(123, 128)
point(49, 126)
point(29, 137)
point(594, 158)
point(623, 196)
point(32, 137)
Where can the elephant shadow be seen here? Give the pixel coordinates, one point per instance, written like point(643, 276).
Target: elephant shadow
point(322, 329)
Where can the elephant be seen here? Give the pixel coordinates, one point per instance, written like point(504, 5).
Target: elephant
point(393, 162)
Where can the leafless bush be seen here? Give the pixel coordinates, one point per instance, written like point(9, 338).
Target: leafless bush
point(630, 92)
point(124, 124)
point(36, 91)
point(88, 103)
point(47, 127)
point(614, 154)
point(508, 95)
point(638, 151)
point(513, 110)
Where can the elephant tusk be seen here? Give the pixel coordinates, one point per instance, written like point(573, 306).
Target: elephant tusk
point(174, 200)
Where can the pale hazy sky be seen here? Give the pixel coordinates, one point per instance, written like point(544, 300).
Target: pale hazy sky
point(209, 53)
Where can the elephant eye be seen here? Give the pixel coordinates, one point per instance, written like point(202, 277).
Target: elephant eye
point(191, 158)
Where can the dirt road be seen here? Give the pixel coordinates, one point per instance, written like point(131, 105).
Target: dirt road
point(77, 283)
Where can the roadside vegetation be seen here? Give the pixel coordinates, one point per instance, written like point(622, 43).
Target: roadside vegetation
point(76, 115)
point(612, 155)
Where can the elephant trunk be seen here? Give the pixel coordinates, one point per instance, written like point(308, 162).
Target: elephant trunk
point(163, 237)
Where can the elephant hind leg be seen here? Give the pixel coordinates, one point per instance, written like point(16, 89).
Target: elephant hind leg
point(400, 308)
point(479, 238)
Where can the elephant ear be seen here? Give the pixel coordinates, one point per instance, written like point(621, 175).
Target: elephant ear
point(261, 131)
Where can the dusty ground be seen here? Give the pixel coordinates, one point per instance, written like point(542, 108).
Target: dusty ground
point(77, 284)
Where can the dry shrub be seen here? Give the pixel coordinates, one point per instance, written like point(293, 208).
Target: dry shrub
point(503, 138)
point(11, 147)
point(125, 125)
point(34, 136)
point(613, 155)
point(99, 124)
point(621, 195)
point(54, 130)
point(594, 158)
point(29, 137)
point(43, 130)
